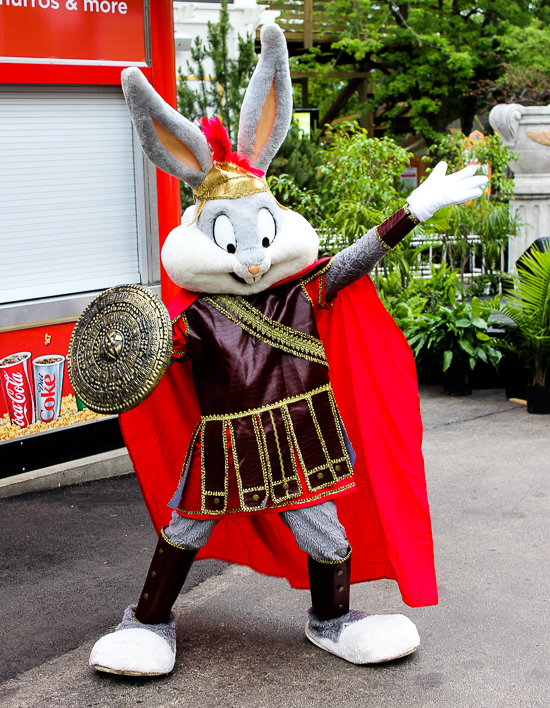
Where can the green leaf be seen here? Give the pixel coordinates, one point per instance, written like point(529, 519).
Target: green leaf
point(476, 309)
point(478, 322)
point(472, 362)
point(483, 337)
point(447, 359)
point(465, 344)
point(463, 323)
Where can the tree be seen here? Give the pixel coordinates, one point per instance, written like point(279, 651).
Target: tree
point(429, 58)
point(526, 77)
point(222, 93)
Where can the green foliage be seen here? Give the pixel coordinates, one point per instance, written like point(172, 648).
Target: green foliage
point(443, 329)
point(306, 202)
point(355, 185)
point(526, 67)
point(488, 217)
point(364, 170)
point(428, 60)
point(298, 157)
point(458, 151)
point(322, 89)
point(222, 93)
point(443, 288)
point(528, 307)
point(485, 284)
point(528, 47)
point(454, 336)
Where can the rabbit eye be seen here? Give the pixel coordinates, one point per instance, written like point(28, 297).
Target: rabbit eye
point(266, 227)
point(224, 234)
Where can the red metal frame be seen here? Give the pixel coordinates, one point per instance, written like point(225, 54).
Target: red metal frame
point(163, 59)
point(162, 74)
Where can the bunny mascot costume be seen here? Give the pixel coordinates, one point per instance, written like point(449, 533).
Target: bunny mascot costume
point(287, 429)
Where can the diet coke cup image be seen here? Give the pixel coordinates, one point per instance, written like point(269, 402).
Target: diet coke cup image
point(17, 386)
point(48, 386)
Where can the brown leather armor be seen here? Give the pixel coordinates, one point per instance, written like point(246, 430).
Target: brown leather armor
point(262, 383)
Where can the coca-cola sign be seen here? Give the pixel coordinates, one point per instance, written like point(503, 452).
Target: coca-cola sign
point(48, 377)
point(17, 386)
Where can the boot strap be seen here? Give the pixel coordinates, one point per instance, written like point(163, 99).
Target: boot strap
point(165, 579)
point(330, 585)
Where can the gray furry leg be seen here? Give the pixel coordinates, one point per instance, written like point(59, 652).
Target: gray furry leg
point(317, 531)
point(166, 631)
point(189, 533)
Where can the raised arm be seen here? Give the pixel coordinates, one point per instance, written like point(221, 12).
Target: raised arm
point(436, 192)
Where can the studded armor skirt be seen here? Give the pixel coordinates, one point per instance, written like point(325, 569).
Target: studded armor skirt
point(282, 456)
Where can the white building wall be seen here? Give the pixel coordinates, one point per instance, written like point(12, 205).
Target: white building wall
point(526, 131)
point(191, 20)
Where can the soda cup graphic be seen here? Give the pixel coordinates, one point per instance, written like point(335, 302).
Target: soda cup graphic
point(48, 386)
point(15, 374)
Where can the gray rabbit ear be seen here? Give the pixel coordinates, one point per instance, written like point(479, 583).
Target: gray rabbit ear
point(267, 107)
point(168, 139)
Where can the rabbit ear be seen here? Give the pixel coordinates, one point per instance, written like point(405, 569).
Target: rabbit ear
point(168, 139)
point(267, 107)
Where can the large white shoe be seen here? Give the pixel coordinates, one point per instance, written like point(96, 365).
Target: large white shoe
point(133, 652)
point(370, 640)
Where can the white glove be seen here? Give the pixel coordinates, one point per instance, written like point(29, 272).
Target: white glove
point(439, 191)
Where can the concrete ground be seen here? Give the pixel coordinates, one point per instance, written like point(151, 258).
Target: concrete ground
point(76, 556)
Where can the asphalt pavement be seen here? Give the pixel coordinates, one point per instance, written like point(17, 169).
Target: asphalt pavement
point(74, 557)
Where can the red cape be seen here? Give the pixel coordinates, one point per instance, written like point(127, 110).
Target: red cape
point(387, 519)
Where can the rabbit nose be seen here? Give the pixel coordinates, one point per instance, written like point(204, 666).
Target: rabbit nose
point(254, 269)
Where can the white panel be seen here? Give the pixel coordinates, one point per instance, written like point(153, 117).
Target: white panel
point(68, 220)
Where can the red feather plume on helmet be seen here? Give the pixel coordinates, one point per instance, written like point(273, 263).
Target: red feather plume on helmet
point(218, 139)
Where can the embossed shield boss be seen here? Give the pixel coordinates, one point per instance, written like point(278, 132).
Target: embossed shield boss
point(119, 349)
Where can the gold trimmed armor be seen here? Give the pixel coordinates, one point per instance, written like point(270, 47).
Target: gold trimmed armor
point(270, 434)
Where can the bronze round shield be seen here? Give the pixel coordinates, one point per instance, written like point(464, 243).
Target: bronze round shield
point(119, 349)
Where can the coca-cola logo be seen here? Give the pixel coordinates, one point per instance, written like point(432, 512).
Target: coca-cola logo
point(17, 393)
point(46, 387)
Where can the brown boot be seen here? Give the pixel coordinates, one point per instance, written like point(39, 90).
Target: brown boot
point(329, 584)
point(352, 635)
point(165, 579)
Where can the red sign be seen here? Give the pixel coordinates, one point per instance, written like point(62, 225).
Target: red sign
point(17, 386)
point(72, 31)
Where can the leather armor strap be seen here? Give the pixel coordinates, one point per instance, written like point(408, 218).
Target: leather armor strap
point(329, 584)
point(277, 335)
point(165, 579)
point(396, 227)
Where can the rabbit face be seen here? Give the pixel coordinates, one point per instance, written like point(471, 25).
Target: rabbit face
point(239, 246)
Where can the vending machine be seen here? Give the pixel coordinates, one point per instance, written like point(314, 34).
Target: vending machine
point(81, 208)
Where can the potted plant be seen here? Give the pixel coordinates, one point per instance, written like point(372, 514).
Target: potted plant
point(528, 307)
point(455, 338)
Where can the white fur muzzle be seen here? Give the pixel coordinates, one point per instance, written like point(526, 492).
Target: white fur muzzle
point(194, 261)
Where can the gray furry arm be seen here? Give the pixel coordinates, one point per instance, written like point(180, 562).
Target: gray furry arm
point(354, 262)
point(360, 258)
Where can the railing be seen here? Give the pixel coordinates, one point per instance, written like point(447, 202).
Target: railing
point(432, 249)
